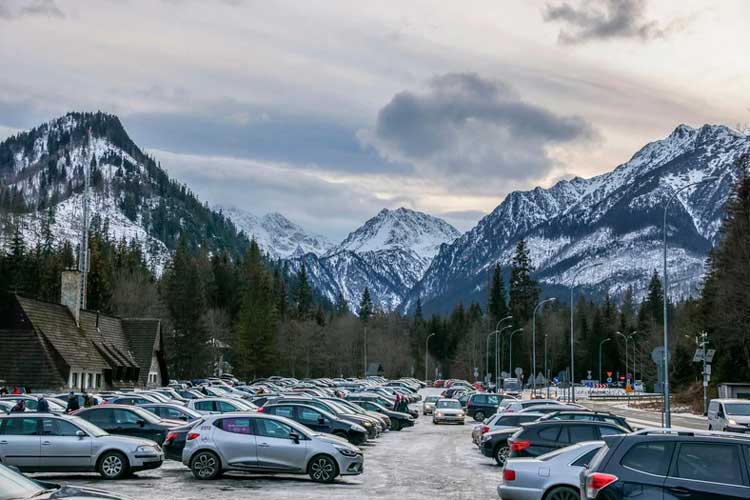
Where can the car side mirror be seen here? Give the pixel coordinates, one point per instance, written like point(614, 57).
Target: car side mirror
point(80, 434)
point(294, 437)
point(141, 423)
point(321, 420)
point(183, 418)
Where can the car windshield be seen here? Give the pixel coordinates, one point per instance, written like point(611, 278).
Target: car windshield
point(14, 486)
point(145, 415)
point(431, 399)
point(448, 404)
point(737, 409)
point(88, 427)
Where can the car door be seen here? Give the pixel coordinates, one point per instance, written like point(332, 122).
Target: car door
point(100, 417)
point(129, 423)
point(205, 406)
point(20, 443)
point(62, 448)
point(548, 438)
point(276, 448)
point(235, 439)
point(643, 470)
point(312, 419)
point(707, 471)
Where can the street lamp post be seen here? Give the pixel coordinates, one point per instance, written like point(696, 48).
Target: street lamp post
point(546, 374)
point(426, 355)
point(600, 357)
point(497, 333)
point(667, 414)
point(510, 354)
point(364, 350)
point(572, 334)
point(533, 342)
point(626, 337)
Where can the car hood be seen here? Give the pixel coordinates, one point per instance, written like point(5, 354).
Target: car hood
point(72, 493)
point(127, 440)
point(449, 411)
point(330, 438)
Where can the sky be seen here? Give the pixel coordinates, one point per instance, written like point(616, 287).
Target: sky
point(328, 111)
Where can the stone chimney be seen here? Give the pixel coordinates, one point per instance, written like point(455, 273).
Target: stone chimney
point(70, 293)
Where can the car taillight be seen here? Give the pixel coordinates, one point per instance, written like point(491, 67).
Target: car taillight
point(171, 437)
point(193, 435)
point(261, 409)
point(509, 475)
point(520, 445)
point(485, 428)
point(597, 481)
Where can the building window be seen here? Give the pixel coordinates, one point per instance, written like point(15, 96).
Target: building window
point(75, 380)
point(98, 380)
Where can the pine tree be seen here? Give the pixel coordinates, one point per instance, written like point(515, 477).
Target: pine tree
point(342, 306)
point(365, 306)
point(524, 291)
point(498, 306)
point(303, 294)
point(99, 278)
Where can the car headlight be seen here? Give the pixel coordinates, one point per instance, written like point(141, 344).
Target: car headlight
point(358, 428)
point(347, 452)
point(732, 421)
point(439, 414)
point(367, 424)
point(460, 415)
point(147, 449)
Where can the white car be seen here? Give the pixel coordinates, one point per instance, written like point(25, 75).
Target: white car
point(448, 411)
point(731, 415)
point(220, 405)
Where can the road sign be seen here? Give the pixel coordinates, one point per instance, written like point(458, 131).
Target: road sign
point(707, 371)
point(710, 355)
point(698, 356)
point(609, 380)
point(628, 388)
point(657, 355)
point(556, 380)
point(609, 374)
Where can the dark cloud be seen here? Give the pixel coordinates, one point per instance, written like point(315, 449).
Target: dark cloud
point(475, 130)
point(22, 8)
point(603, 20)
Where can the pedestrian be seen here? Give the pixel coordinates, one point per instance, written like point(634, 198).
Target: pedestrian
point(20, 407)
point(88, 401)
point(73, 404)
point(396, 404)
point(42, 405)
point(16, 391)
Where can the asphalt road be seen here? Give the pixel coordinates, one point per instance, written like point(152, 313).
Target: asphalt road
point(647, 418)
point(424, 462)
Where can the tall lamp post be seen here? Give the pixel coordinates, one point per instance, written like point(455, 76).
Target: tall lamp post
point(600, 357)
point(667, 409)
point(497, 333)
point(627, 338)
point(572, 334)
point(510, 353)
point(533, 342)
point(364, 350)
point(426, 355)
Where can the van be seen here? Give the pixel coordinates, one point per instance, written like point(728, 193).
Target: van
point(732, 415)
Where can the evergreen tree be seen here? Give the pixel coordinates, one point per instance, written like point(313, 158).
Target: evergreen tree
point(342, 306)
point(99, 278)
point(498, 306)
point(303, 294)
point(365, 306)
point(524, 291)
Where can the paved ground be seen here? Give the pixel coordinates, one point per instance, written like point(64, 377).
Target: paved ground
point(647, 418)
point(424, 462)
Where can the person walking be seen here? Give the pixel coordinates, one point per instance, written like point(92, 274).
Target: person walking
point(42, 405)
point(73, 404)
point(20, 407)
point(88, 401)
point(16, 391)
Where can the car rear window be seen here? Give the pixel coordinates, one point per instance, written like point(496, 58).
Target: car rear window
point(585, 459)
point(580, 433)
point(652, 458)
point(715, 463)
point(549, 433)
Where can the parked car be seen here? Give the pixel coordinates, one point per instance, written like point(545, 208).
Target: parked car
point(429, 404)
point(448, 411)
point(220, 405)
point(542, 437)
point(31, 402)
point(62, 443)
point(494, 444)
point(15, 486)
point(732, 415)
point(168, 411)
point(481, 405)
point(134, 399)
point(594, 416)
point(550, 408)
point(260, 442)
point(552, 476)
point(174, 443)
point(129, 421)
point(6, 406)
point(516, 405)
point(499, 422)
point(371, 425)
point(318, 420)
point(438, 383)
point(399, 420)
point(383, 420)
point(665, 463)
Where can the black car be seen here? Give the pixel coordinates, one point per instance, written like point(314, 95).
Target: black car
point(370, 424)
point(318, 420)
point(129, 421)
point(592, 416)
point(174, 443)
point(538, 438)
point(399, 420)
point(133, 399)
point(494, 444)
point(482, 404)
point(669, 464)
point(15, 486)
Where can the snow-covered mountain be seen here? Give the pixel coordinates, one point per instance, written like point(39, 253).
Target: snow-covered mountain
point(388, 254)
point(276, 235)
point(613, 220)
point(42, 170)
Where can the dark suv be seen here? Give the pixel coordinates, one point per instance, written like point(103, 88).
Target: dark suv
point(318, 420)
point(538, 438)
point(482, 404)
point(592, 416)
point(669, 464)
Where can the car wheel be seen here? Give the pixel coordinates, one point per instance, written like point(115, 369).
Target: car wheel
point(205, 465)
point(501, 454)
point(563, 493)
point(479, 416)
point(113, 465)
point(322, 469)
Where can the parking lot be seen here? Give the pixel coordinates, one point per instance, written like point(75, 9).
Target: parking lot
point(423, 462)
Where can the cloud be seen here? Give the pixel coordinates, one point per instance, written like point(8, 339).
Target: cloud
point(603, 20)
point(474, 131)
point(22, 8)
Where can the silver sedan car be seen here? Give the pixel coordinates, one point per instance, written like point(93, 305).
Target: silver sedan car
point(554, 476)
point(429, 404)
point(39, 442)
point(257, 442)
point(448, 411)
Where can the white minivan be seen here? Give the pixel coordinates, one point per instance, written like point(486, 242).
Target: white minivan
point(731, 415)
